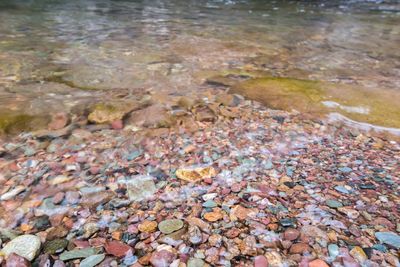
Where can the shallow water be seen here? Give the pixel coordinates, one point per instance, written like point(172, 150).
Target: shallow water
point(56, 55)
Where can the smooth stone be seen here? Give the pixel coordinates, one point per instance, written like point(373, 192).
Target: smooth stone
point(26, 246)
point(342, 189)
point(358, 254)
point(194, 262)
point(92, 261)
point(333, 250)
point(140, 187)
point(389, 238)
point(55, 246)
point(170, 226)
point(345, 169)
point(195, 236)
point(77, 254)
point(260, 261)
point(162, 258)
point(15, 260)
point(334, 203)
point(12, 193)
point(209, 204)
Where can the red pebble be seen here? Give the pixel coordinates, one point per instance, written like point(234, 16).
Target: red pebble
point(15, 260)
point(117, 249)
point(117, 125)
point(260, 261)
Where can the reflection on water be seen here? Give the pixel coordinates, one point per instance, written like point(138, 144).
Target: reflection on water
point(171, 46)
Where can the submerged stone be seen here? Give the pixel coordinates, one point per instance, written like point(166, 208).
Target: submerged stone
point(92, 261)
point(26, 246)
point(140, 187)
point(169, 226)
point(389, 238)
point(77, 254)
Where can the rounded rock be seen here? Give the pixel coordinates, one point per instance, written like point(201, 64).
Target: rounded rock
point(26, 246)
point(260, 261)
point(170, 226)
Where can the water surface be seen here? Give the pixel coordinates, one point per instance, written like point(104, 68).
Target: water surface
point(57, 55)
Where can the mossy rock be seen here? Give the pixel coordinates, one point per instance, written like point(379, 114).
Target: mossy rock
point(380, 106)
point(113, 111)
point(16, 123)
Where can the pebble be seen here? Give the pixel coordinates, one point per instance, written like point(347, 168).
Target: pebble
point(334, 203)
point(195, 236)
point(55, 246)
point(170, 226)
point(140, 187)
point(117, 248)
point(12, 193)
point(318, 263)
point(26, 246)
point(195, 173)
point(77, 254)
point(389, 238)
point(333, 250)
point(14, 260)
point(148, 226)
point(358, 254)
point(92, 260)
point(260, 261)
point(291, 234)
point(193, 262)
point(162, 258)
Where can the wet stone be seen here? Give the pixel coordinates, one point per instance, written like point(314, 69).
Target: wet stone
point(14, 260)
point(117, 248)
point(55, 246)
point(140, 187)
point(92, 261)
point(26, 246)
point(170, 226)
point(77, 254)
point(195, 236)
point(162, 258)
point(193, 262)
point(389, 238)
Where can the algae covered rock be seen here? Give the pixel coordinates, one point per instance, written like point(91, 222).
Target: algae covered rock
point(110, 112)
point(154, 116)
point(15, 123)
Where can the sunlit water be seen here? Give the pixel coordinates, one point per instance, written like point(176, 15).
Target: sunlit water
point(57, 54)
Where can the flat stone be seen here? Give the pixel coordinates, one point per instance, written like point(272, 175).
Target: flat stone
point(291, 234)
point(213, 216)
point(148, 226)
point(140, 187)
point(55, 246)
point(358, 254)
point(195, 173)
point(169, 226)
point(260, 261)
point(194, 262)
point(195, 236)
point(317, 263)
point(77, 254)
point(162, 258)
point(333, 203)
point(117, 248)
point(345, 169)
point(26, 246)
point(333, 250)
point(12, 193)
point(299, 248)
point(92, 261)
point(389, 238)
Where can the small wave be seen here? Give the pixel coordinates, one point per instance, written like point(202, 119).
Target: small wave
point(336, 117)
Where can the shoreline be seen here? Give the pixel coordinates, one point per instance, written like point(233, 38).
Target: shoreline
point(237, 184)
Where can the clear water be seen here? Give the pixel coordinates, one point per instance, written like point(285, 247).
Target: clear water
point(55, 54)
